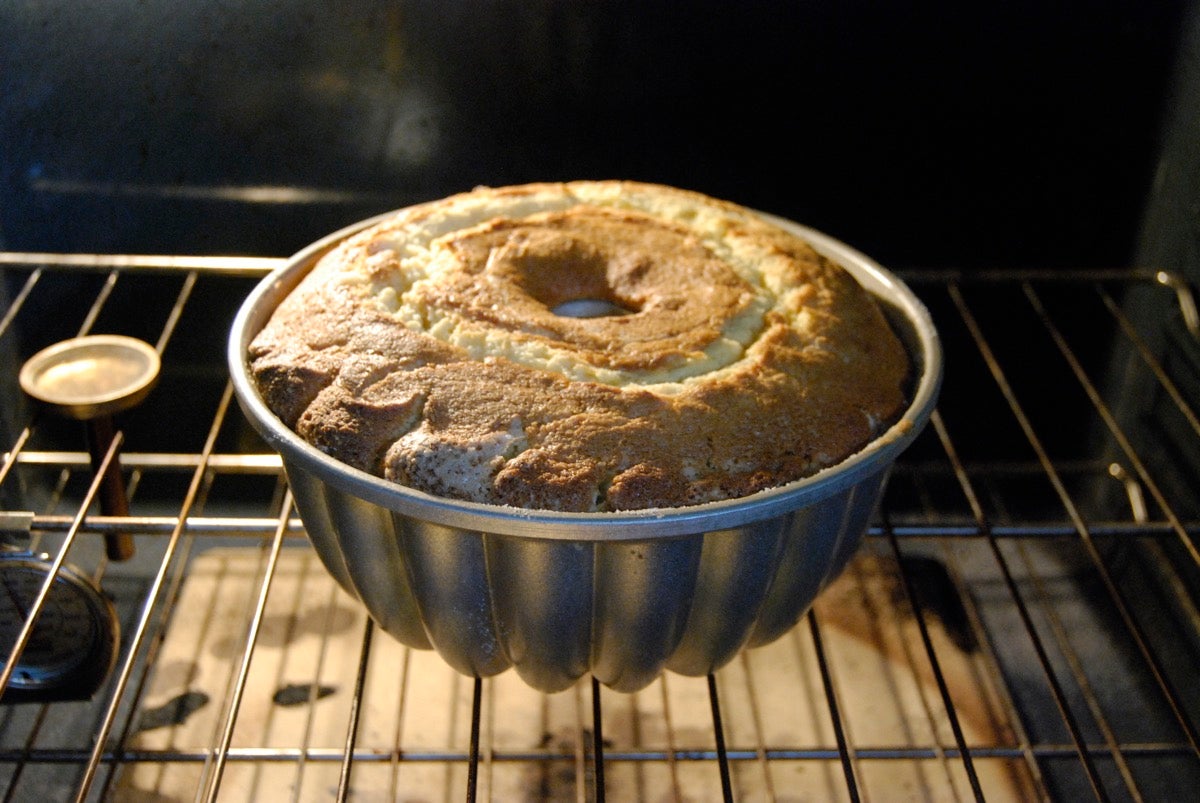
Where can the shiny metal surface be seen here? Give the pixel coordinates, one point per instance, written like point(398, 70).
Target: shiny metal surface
point(559, 595)
point(92, 376)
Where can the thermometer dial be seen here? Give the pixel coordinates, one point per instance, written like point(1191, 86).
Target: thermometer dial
point(74, 642)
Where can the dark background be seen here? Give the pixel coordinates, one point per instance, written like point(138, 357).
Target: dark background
point(941, 134)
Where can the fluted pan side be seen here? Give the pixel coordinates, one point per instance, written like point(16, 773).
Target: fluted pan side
point(860, 506)
point(818, 540)
point(358, 546)
point(377, 564)
point(644, 593)
point(736, 569)
point(542, 593)
point(308, 493)
point(448, 572)
point(557, 610)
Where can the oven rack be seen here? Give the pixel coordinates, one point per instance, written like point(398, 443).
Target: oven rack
point(1021, 622)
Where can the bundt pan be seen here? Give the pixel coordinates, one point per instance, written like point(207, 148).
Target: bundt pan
point(621, 595)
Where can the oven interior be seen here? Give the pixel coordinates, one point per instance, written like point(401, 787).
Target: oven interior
point(1022, 620)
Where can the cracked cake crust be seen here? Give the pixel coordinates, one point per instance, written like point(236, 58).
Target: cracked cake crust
point(430, 349)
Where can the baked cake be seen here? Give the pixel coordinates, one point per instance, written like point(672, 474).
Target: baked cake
point(441, 349)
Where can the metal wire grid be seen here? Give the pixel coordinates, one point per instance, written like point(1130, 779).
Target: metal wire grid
point(1015, 586)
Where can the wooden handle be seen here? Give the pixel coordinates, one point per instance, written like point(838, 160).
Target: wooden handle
point(113, 501)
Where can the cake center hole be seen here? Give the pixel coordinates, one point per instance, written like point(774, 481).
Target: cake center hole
point(590, 308)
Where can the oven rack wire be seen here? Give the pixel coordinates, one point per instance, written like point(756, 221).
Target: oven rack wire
point(1021, 623)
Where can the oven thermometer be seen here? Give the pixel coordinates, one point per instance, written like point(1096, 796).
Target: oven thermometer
point(73, 645)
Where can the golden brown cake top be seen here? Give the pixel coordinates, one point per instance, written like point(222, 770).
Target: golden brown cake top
point(434, 349)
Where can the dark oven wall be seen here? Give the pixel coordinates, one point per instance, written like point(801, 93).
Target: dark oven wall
point(939, 134)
